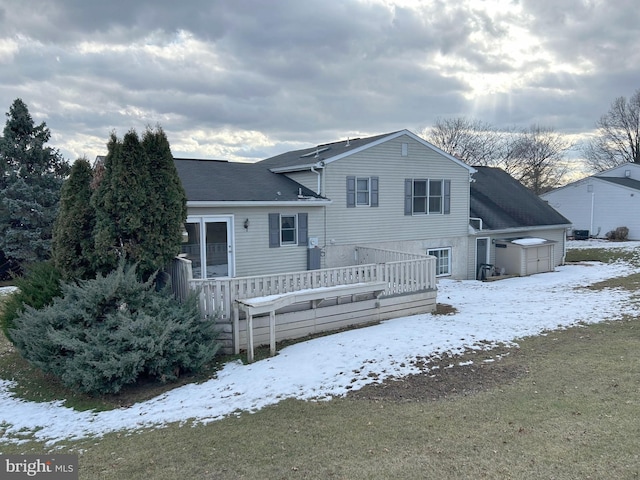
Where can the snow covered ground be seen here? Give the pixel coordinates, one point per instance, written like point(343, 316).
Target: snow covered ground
point(487, 314)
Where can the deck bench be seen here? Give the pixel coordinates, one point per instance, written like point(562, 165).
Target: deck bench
point(270, 304)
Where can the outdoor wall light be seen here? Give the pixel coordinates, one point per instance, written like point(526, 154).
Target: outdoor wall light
point(246, 224)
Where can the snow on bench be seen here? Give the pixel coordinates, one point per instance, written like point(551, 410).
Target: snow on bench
point(269, 304)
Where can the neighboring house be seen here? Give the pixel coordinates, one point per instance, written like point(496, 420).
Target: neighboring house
point(513, 230)
point(602, 202)
point(311, 208)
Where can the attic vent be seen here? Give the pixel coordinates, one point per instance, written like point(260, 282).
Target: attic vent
point(315, 152)
point(627, 173)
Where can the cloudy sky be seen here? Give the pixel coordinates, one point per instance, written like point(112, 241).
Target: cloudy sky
point(247, 79)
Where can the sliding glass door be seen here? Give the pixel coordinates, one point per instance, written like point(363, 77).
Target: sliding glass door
point(209, 245)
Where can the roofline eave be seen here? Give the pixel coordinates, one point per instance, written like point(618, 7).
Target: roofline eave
point(259, 203)
point(503, 231)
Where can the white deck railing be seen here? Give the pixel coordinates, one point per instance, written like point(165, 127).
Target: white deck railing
point(401, 276)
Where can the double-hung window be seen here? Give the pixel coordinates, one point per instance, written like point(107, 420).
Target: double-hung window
point(443, 260)
point(362, 191)
point(288, 229)
point(427, 196)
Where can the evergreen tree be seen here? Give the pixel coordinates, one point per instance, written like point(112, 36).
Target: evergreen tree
point(163, 221)
point(30, 182)
point(121, 201)
point(73, 228)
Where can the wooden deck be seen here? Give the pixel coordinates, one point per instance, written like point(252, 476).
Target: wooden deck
point(405, 285)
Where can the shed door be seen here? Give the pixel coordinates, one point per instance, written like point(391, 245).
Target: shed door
point(538, 259)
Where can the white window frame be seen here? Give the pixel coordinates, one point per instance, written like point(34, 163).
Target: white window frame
point(367, 192)
point(428, 197)
point(425, 196)
point(440, 197)
point(442, 268)
point(294, 229)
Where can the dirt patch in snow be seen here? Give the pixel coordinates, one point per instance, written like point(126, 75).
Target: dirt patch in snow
point(448, 376)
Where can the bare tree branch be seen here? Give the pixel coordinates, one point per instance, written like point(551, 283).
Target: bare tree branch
point(618, 136)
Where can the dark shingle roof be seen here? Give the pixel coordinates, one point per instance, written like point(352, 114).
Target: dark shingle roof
point(219, 180)
point(502, 202)
point(623, 181)
point(325, 151)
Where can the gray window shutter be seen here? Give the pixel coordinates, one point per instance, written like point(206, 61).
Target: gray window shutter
point(351, 192)
point(303, 228)
point(374, 191)
point(447, 196)
point(408, 196)
point(274, 230)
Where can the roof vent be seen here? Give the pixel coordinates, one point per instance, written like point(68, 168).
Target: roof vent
point(348, 143)
point(315, 152)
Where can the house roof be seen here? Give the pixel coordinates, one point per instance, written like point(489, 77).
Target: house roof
point(624, 182)
point(223, 181)
point(325, 153)
point(306, 157)
point(504, 203)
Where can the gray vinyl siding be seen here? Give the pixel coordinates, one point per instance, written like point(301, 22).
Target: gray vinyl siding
point(387, 222)
point(253, 256)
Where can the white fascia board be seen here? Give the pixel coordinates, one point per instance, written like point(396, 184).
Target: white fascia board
point(506, 231)
point(617, 167)
point(293, 203)
point(576, 183)
point(436, 149)
point(392, 136)
point(294, 168)
point(400, 134)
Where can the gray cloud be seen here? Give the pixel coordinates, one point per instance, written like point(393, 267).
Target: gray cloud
point(248, 79)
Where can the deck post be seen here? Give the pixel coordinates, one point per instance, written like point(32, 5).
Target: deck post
point(272, 333)
point(236, 328)
point(249, 338)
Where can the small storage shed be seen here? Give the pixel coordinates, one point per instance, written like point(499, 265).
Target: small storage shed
point(524, 256)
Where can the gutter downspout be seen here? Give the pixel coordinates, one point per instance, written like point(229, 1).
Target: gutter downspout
point(593, 199)
point(318, 188)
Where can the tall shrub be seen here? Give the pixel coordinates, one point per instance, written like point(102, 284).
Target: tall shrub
point(164, 222)
point(140, 204)
point(73, 229)
point(37, 288)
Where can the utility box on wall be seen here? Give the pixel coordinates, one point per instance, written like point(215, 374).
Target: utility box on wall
point(524, 256)
point(314, 254)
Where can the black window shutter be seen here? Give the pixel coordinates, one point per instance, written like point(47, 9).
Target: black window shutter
point(374, 191)
point(447, 196)
point(408, 196)
point(274, 230)
point(303, 228)
point(351, 191)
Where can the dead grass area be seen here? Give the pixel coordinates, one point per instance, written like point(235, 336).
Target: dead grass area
point(448, 377)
